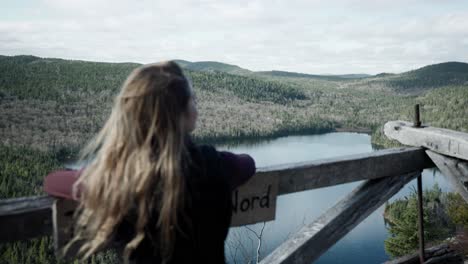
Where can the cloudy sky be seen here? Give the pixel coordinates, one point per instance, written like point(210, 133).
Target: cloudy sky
point(311, 36)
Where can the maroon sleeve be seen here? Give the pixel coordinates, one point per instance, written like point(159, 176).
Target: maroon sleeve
point(239, 168)
point(60, 183)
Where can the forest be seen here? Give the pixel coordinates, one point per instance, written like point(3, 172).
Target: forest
point(51, 107)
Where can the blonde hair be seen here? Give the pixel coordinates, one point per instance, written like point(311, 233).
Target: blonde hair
point(139, 160)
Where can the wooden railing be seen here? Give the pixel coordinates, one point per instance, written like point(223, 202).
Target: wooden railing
point(384, 173)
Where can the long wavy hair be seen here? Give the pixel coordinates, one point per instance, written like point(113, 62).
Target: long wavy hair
point(138, 165)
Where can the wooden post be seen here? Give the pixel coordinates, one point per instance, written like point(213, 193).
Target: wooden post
point(455, 170)
point(62, 218)
point(417, 124)
point(420, 220)
point(417, 121)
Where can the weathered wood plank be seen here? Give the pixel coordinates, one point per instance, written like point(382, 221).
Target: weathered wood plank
point(454, 169)
point(443, 254)
point(62, 219)
point(443, 141)
point(25, 218)
point(314, 239)
point(33, 214)
point(328, 172)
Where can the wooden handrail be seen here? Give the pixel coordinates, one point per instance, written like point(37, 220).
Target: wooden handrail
point(25, 217)
point(29, 217)
point(385, 171)
point(443, 141)
point(309, 175)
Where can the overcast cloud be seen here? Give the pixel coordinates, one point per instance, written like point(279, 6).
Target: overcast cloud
point(369, 36)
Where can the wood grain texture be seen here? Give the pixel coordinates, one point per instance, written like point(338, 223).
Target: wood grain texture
point(317, 237)
point(443, 141)
point(29, 217)
point(62, 219)
point(26, 217)
point(440, 254)
point(455, 170)
point(309, 175)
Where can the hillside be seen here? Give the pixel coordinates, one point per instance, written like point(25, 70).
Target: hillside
point(213, 66)
point(420, 80)
point(51, 107)
point(312, 76)
point(55, 103)
point(442, 74)
point(33, 77)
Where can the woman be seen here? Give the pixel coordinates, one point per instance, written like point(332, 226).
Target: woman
point(149, 187)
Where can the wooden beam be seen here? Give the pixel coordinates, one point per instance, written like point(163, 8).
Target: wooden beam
point(455, 170)
point(62, 218)
point(29, 217)
point(316, 238)
point(26, 217)
point(440, 254)
point(309, 175)
point(443, 141)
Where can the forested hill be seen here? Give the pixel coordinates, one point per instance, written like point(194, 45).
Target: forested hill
point(436, 75)
point(420, 80)
point(312, 76)
point(50, 108)
point(55, 103)
point(412, 82)
point(212, 66)
point(47, 103)
point(34, 77)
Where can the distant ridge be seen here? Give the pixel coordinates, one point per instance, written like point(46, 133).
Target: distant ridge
point(312, 76)
point(183, 63)
point(212, 66)
point(353, 75)
point(441, 73)
point(384, 74)
point(28, 77)
point(425, 78)
point(451, 67)
point(36, 59)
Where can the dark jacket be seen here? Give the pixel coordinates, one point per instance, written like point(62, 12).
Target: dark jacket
point(204, 223)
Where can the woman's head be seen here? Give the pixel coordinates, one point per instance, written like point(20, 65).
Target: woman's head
point(139, 158)
point(160, 94)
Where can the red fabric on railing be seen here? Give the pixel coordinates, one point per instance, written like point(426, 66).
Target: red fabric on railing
point(238, 167)
point(60, 183)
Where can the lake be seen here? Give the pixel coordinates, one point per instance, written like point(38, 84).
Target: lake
point(364, 244)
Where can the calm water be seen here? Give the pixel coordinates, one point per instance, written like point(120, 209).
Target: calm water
point(364, 244)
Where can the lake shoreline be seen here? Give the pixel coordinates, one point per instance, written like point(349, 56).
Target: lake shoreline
point(255, 138)
point(363, 130)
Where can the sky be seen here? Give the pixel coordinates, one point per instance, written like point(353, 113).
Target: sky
point(309, 36)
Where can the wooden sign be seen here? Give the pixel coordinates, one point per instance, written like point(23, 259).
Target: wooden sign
point(255, 201)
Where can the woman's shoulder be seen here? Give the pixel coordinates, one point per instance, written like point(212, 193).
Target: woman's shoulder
point(209, 152)
point(236, 169)
point(204, 157)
